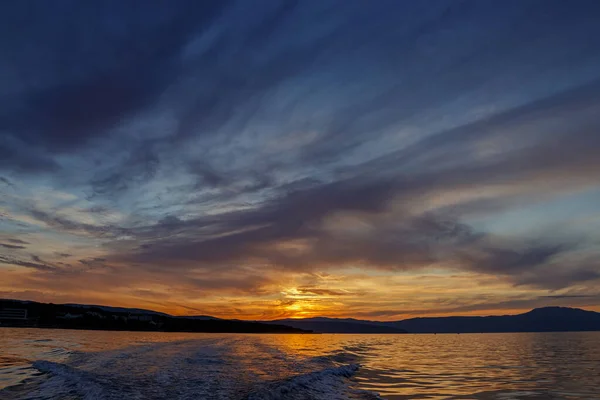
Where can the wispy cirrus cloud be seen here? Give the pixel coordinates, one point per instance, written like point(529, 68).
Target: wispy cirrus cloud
point(231, 149)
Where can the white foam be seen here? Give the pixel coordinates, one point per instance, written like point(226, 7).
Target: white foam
point(225, 368)
point(65, 378)
point(326, 384)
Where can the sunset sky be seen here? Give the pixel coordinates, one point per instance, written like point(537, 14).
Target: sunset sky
point(267, 159)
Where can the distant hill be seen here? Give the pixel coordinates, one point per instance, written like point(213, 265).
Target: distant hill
point(201, 317)
point(114, 309)
point(332, 325)
point(15, 313)
point(547, 319)
point(84, 316)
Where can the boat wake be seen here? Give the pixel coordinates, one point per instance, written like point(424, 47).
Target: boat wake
point(329, 383)
point(215, 369)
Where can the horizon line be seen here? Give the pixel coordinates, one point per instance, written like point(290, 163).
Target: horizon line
point(290, 318)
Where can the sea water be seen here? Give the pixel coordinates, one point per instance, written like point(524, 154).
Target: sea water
point(70, 364)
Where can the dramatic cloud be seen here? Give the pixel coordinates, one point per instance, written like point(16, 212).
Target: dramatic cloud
point(11, 246)
point(219, 156)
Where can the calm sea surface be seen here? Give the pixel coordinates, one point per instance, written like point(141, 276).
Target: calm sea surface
point(67, 364)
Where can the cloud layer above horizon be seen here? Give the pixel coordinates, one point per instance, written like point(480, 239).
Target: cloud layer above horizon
point(281, 158)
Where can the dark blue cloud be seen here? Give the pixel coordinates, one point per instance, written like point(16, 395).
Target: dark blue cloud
point(205, 134)
point(85, 68)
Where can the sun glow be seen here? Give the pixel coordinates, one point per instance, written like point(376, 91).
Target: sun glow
point(298, 302)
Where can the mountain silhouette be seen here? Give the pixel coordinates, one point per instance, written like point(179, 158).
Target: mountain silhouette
point(546, 319)
point(82, 316)
point(333, 325)
point(15, 313)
